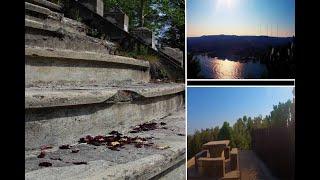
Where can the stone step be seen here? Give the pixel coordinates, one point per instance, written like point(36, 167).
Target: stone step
point(39, 17)
point(46, 28)
point(46, 4)
point(62, 115)
point(54, 67)
point(128, 163)
point(40, 35)
point(177, 173)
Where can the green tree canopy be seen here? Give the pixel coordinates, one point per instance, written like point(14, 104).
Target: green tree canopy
point(165, 18)
point(225, 132)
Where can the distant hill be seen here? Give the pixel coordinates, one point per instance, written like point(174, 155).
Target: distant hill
point(225, 46)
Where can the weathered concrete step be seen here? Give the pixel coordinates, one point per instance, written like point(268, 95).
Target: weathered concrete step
point(176, 173)
point(128, 163)
point(53, 30)
point(61, 116)
point(40, 35)
point(55, 66)
point(38, 17)
point(47, 4)
point(41, 11)
point(69, 96)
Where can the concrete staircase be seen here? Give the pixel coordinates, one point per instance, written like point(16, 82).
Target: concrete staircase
point(76, 86)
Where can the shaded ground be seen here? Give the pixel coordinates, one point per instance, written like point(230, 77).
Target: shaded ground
point(252, 168)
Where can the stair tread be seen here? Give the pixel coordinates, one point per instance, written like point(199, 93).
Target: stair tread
point(83, 55)
point(46, 4)
point(36, 97)
point(42, 10)
point(128, 162)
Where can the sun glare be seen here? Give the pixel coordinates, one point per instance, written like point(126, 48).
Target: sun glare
point(225, 4)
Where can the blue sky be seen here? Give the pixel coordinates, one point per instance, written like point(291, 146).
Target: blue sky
point(240, 17)
point(211, 106)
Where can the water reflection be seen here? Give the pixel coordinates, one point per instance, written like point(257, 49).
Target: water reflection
point(226, 69)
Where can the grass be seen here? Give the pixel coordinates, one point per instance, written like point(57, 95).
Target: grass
point(139, 53)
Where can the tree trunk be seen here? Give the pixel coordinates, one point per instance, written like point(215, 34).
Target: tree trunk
point(142, 3)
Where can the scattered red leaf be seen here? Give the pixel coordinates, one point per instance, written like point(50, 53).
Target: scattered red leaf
point(138, 145)
point(45, 164)
point(144, 127)
point(115, 140)
point(181, 134)
point(42, 154)
point(53, 158)
point(163, 123)
point(115, 133)
point(65, 146)
point(75, 150)
point(79, 163)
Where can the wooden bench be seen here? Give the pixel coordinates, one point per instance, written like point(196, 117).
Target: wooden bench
point(216, 148)
point(234, 159)
point(211, 167)
point(203, 153)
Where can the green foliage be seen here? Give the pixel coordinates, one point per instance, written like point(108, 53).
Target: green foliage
point(164, 17)
point(139, 52)
point(200, 137)
point(56, 1)
point(240, 133)
point(225, 132)
point(280, 114)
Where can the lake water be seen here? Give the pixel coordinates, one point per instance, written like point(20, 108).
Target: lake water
point(225, 69)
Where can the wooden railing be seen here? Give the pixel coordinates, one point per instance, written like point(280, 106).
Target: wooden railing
point(276, 147)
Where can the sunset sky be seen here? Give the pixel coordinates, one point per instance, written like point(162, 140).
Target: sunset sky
point(241, 17)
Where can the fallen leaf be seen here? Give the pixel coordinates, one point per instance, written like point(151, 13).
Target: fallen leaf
point(45, 164)
point(53, 158)
point(75, 150)
point(116, 143)
point(162, 123)
point(65, 146)
point(79, 163)
point(163, 147)
point(115, 133)
point(42, 154)
point(138, 145)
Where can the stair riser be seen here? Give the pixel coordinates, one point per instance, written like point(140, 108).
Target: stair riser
point(54, 71)
point(65, 125)
point(46, 4)
point(35, 14)
point(55, 25)
point(47, 39)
